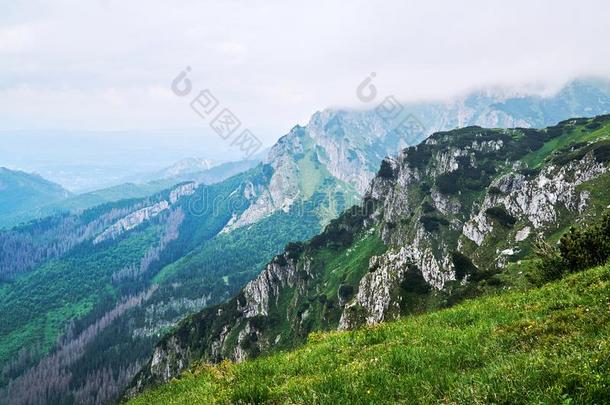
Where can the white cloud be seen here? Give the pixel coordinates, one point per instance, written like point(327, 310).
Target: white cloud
point(15, 39)
point(108, 64)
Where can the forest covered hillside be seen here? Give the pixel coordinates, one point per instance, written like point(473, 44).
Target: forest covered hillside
point(243, 202)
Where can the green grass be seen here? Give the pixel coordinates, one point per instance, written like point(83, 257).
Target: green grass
point(315, 178)
point(547, 345)
point(312, 173)
point(576, 134)
point(600, 198)
point(352, 264)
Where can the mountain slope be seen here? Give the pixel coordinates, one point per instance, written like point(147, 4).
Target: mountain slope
point(21, 193)
point(185, 166)
point(546, 345)
point(154, 260)
point(445, 220)
point(349, 145)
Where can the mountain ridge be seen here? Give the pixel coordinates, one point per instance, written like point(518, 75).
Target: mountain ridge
point(411, 245)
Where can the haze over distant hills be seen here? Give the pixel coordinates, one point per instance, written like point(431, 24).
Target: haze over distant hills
point(33, 197)
point(245, 202)
point(110, 166)
point(184, 166)
point(83, 161)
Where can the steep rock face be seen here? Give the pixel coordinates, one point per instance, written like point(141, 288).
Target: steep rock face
point(283, 187)
point(347, 147)
point(265, 287)
point(429, 235)
point(278, 308)
point(354, 143)
point(225, 331)
point(142, 215)
point(451, 212)
point(538, 199)
point(181, 191)
point(375, 291)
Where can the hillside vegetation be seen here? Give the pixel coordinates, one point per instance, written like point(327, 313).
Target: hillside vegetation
point(547, 345)
point(134, 286)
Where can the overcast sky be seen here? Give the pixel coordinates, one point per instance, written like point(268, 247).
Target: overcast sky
point(108, 64)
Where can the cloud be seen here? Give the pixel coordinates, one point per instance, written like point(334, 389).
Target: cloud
point(15, 39)
point(108, 64)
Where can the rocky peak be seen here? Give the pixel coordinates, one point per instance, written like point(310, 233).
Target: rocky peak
point(344, 146)
point(288, 145)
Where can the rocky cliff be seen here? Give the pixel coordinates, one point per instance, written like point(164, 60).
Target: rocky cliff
point(337, 152)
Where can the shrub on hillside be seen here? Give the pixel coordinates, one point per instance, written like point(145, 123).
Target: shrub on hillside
point(584, 248)
point(386, 171)
point(463, 265)
point(346, 291)
point(500, 214)
point(432, 223)
point(427, 207)
point(578, 249)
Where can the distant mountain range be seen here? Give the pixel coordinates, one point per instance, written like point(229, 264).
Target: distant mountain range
point(349, 145)
point(200, 170)
point(17, 209)
point(22, 194)
point(503, 108)
point(183, 167)
point(83, 161)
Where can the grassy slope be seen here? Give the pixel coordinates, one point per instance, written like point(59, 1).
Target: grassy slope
point(337, 267)
point(315, 178)
point(578, 134)
point(545, 345)
point(350, 265)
